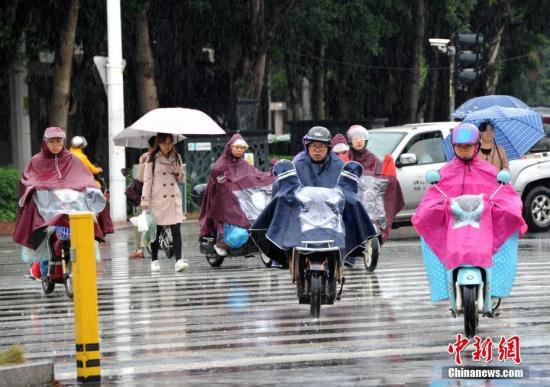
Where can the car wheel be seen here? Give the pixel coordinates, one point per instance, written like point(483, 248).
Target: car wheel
point(537, 209)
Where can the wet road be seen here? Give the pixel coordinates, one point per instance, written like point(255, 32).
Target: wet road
point(241, 324)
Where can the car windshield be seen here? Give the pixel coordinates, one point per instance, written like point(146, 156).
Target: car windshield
point(382, 143)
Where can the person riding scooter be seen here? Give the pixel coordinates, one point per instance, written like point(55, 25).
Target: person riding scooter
point(459, 236)
point(467, 174)
point(220, 205)
point(278, 229)
point(379, 190)
point(53, 168)
point(469, 221)
point(383, 187)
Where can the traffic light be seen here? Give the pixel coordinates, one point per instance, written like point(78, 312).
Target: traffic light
point(469, 58)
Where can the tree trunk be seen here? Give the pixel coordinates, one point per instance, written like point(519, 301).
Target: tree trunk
point(59, 104)
point(146, 87)
point(414, 80)
point(318, 89)
point(259, 36)
point(491, 79)
point(291, 85)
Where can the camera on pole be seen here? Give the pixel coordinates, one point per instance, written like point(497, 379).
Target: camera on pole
point(469, 58)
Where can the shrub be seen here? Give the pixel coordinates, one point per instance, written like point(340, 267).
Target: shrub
point(9, 192)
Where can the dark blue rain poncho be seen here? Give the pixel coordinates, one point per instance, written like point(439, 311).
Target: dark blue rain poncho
point(281, 226)
point(273, 238)
point(321, 174)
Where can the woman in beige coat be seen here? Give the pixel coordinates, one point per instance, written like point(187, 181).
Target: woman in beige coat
point(161, 195)
point(489, 150)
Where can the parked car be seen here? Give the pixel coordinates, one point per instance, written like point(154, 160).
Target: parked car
point(417, 148)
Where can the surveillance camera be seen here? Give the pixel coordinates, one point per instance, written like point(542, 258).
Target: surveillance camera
point(439, 42)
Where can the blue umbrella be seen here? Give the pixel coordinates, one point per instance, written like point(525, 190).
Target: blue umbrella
point(516, 129)
point(480, 103)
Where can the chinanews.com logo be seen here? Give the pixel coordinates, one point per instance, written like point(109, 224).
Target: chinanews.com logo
point(508, 351)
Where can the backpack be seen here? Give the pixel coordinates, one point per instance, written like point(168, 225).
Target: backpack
point(134, 190)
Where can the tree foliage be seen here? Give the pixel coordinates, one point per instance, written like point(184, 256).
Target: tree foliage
point(357, 56)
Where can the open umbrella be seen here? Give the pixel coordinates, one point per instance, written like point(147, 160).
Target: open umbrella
point(486, 101)
point(177, 121)
point(516, 129)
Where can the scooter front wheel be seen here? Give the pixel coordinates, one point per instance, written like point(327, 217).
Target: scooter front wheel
point(214, 260)
point(372, 251)
point(316, 291)
point(470, 311)
point(68, 279)
point(48, 285)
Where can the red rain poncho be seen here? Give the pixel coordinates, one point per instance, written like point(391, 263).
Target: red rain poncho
point(393, 197)
point(47, 171)
point(229, 174)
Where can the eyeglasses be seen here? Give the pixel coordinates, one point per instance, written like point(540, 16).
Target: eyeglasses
point(317, 146)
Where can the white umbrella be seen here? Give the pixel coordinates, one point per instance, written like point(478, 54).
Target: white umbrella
point(176, 121)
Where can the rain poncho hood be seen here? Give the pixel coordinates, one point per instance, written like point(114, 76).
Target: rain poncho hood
point(341, 147)
point(474, 239)
point(47, 171)
point(229, 174)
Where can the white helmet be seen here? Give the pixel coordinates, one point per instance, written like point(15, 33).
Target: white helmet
point(358, 131)
point(79, 142)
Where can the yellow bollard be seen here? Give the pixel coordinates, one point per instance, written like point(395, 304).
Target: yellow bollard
point(86, 322)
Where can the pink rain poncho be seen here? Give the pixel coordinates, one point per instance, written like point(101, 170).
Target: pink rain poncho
point(474, 241)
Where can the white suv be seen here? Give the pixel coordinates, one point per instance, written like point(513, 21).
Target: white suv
point(417, 148)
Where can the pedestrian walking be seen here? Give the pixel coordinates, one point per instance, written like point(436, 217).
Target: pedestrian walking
point(161, 195)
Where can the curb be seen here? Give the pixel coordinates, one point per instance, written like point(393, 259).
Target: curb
point(27, 374)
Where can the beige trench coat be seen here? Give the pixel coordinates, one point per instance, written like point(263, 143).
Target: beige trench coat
point(161, 192)
point(496, 157)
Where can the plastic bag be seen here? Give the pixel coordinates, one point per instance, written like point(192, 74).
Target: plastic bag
point(140, 221)
point(234, 236)
point(151, 233)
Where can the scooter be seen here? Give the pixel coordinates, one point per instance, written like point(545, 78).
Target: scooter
point(252, 201)
point(472, 290)
point(371, 191)
point(316, 262)
point(57, 268)
point(316, 268)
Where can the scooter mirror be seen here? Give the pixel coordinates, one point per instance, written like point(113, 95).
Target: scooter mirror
point(504, 177)
point(433, 177)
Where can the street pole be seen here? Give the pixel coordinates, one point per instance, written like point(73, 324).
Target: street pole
point(451, 51)
point(115, 98)
point(20, 120)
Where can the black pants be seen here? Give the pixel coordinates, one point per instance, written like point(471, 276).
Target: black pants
point(176, 237)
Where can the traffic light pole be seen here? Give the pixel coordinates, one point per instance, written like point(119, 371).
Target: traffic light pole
point(451, 51)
